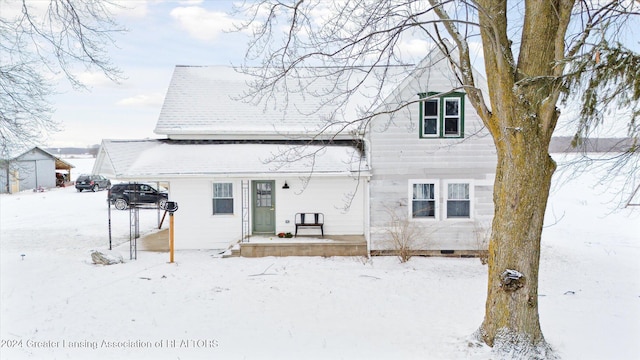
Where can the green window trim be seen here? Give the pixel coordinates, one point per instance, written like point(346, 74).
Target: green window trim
point(438, 118)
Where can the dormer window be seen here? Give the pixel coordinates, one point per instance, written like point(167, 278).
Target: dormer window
point(442, 116)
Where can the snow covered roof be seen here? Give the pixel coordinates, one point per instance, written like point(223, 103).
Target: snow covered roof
point(157, 159)
point(116, 156)
point(60, 164)
point(211, 102)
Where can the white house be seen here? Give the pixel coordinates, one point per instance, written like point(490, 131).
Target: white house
point(239, 169)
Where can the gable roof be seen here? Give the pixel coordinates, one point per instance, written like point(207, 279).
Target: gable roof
point(211, 102)
point(116, 156)
point(59, 163)
point(434, 73)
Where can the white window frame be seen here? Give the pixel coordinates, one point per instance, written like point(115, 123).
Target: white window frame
point(213, 198)
point(445, 116)
point(437, 118)
point(436, 190)
point(471, 198)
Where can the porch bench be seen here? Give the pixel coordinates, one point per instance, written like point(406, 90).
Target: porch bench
point(310, 220)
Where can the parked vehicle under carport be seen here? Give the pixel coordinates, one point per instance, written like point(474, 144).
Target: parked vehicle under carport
point(133, 194)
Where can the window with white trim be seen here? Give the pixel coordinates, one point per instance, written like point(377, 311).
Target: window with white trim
point(442, 116)
point(452, 117)
point(430, 118)
point(458, 201)
point(222, 198)
point(423, 200)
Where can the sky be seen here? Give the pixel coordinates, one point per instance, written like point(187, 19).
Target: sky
point(160, 35)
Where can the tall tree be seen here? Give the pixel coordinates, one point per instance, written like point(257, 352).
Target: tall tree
point(537, 53)
point(38, 41)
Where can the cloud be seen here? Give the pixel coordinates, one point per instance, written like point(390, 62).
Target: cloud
point(127, 8)
point(154, 100)
point(202, 24)
point(413, 50)
point(91, 79)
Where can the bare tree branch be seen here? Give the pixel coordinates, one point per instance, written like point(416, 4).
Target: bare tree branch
point(535, 53)
point(36, 44)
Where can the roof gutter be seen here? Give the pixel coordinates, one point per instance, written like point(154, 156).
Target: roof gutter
point(221, 135)
point(267, 175)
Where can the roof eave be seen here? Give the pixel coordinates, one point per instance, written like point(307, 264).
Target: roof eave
point(252, 175)
point(290, 135)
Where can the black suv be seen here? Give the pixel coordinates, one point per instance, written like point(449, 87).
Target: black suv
point(92, 182)
point(125, 194)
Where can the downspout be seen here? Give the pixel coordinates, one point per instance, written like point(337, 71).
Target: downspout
point(367, 196)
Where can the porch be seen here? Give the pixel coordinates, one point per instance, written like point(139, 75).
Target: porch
point(330, 245)
point(262, 246)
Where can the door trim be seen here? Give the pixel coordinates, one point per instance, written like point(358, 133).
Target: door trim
point(254, 218)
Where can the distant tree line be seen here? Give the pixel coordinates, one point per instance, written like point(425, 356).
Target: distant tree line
point(92, 150)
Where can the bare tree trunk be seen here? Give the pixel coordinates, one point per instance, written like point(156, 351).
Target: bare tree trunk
point(521, 190)
point(523, 117)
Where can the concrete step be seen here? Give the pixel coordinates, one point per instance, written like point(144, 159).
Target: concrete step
point(326, 249)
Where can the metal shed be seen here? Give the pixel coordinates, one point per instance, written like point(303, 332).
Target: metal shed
point(35, 168)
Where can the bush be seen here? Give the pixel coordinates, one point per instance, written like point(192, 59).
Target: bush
point(403, 234)
point(483, 233)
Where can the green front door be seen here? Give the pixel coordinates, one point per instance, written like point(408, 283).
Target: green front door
point(264, 206)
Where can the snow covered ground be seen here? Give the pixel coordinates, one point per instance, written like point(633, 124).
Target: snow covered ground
point(55, 304)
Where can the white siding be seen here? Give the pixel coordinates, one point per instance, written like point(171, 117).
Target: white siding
point(197, 228)
point(195, 225)
point(398, 154)
point(329, 196)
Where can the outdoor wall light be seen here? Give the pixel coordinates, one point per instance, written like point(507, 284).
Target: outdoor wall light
point(285, 186)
